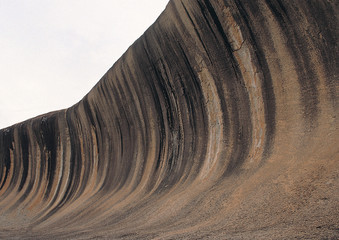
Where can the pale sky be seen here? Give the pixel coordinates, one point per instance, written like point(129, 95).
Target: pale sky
point(52, 52)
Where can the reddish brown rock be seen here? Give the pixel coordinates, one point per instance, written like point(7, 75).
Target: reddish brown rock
point(218, 123)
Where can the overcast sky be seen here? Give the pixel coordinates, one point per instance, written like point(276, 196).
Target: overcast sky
point(52, 52)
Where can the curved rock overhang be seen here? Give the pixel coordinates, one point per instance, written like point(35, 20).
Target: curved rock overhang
point(218, 123)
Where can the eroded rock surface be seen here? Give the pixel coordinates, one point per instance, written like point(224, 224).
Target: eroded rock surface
point(218, 123)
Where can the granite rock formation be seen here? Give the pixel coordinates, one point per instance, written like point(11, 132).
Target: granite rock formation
point(218, 123)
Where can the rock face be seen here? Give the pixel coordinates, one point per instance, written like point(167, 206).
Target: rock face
point(218, 123)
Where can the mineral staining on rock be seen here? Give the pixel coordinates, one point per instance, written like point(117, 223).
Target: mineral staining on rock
point(218, 123)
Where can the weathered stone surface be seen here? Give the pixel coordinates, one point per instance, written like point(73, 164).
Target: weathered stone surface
point(218, 123)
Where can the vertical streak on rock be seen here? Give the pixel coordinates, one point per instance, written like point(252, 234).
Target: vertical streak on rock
point(211, 99)
point(308, 82)
point(252, 78)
